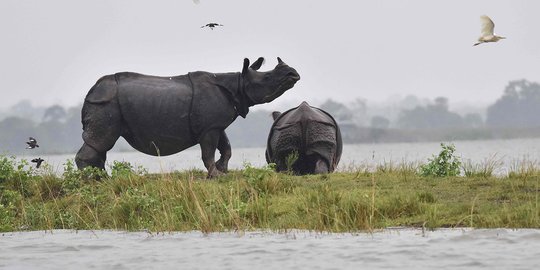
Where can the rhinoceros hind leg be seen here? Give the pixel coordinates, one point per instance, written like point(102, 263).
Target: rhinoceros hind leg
point(88, 156)
point(224, 148)
point(209, 142)
point(321, 167)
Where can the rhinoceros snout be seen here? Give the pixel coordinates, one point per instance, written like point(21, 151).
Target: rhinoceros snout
point(294, 75)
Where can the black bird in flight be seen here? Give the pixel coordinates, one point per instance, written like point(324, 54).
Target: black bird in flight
point(37, 161)
point(32, 143)
point(211, 25)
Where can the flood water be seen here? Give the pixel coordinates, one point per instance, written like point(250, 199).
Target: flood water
point(387, 249)
point(508, 152)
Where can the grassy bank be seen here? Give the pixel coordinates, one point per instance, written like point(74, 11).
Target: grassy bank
point(258, 198)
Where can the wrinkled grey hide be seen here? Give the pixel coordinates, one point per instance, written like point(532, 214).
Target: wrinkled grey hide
point(310, 132)
point(164, 115)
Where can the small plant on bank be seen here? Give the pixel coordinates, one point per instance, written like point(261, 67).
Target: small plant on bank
point(125, 169)
point(254, 175)
point(10, 168)
point(266, 181)
point(445, 164)
point(6, 168)
point(73, 178)
point(290, 160)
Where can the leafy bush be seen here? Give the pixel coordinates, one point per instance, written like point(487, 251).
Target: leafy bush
point(7, 218)
point(8, 201)
point(445, 164)
point(73, 178)
point(121, 169)
point(253, 174)
point(265, 180)
point(6, 168)
point(10, 169)
point(125, 169)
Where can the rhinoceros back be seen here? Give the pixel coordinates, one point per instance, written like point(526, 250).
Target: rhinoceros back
point(307, 130)
point(156, 112)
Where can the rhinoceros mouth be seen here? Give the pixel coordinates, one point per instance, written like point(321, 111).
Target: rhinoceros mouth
point(287, 84)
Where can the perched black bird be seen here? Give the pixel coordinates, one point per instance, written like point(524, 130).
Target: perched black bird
point(32, 143)
point(37, 161)
point(211, 25)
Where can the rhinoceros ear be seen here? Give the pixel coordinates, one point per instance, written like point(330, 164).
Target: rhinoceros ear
point(275, 115)
point(279, 61)
point(246, 66)
point(257, 64)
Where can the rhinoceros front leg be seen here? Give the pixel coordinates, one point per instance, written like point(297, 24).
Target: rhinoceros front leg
point(225, 152)
point(209, 142)
point(88, 156)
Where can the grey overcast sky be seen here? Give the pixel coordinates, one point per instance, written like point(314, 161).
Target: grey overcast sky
point(52, 52)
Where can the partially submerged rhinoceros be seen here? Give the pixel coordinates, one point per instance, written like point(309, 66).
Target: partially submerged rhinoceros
point(310, 133)
point(164, 115)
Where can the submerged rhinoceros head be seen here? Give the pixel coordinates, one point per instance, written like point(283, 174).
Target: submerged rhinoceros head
point(263, 87)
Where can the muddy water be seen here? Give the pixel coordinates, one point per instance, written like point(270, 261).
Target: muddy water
point(387, 249)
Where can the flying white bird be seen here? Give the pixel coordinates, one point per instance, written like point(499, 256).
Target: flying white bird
point(486, 33)
point(196, 1)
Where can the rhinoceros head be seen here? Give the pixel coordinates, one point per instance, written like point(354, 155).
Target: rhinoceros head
point(263, 87)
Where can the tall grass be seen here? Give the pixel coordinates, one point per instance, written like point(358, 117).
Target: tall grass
point(487, 168)
point(363, 198)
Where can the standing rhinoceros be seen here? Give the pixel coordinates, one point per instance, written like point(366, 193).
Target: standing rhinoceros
point(310, 133)
point(164, 115)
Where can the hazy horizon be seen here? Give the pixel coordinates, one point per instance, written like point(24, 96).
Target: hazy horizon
point(54, 51)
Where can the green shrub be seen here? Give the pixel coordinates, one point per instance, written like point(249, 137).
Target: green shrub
point(254, 175)
point(124, 169)
point(7, 218)
point(8, 207)
point(264, 180)
point(445, 164)
point(6, 168)
point(72, 177)
point(290, 160)
point(11, 169)
point(135, 209)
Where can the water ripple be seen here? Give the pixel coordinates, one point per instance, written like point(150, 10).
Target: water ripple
point(401, 248)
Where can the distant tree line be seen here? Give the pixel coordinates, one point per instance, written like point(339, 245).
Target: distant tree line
point(518, 107)
point(436, 116)
point(59, 131)
point(514, 114)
